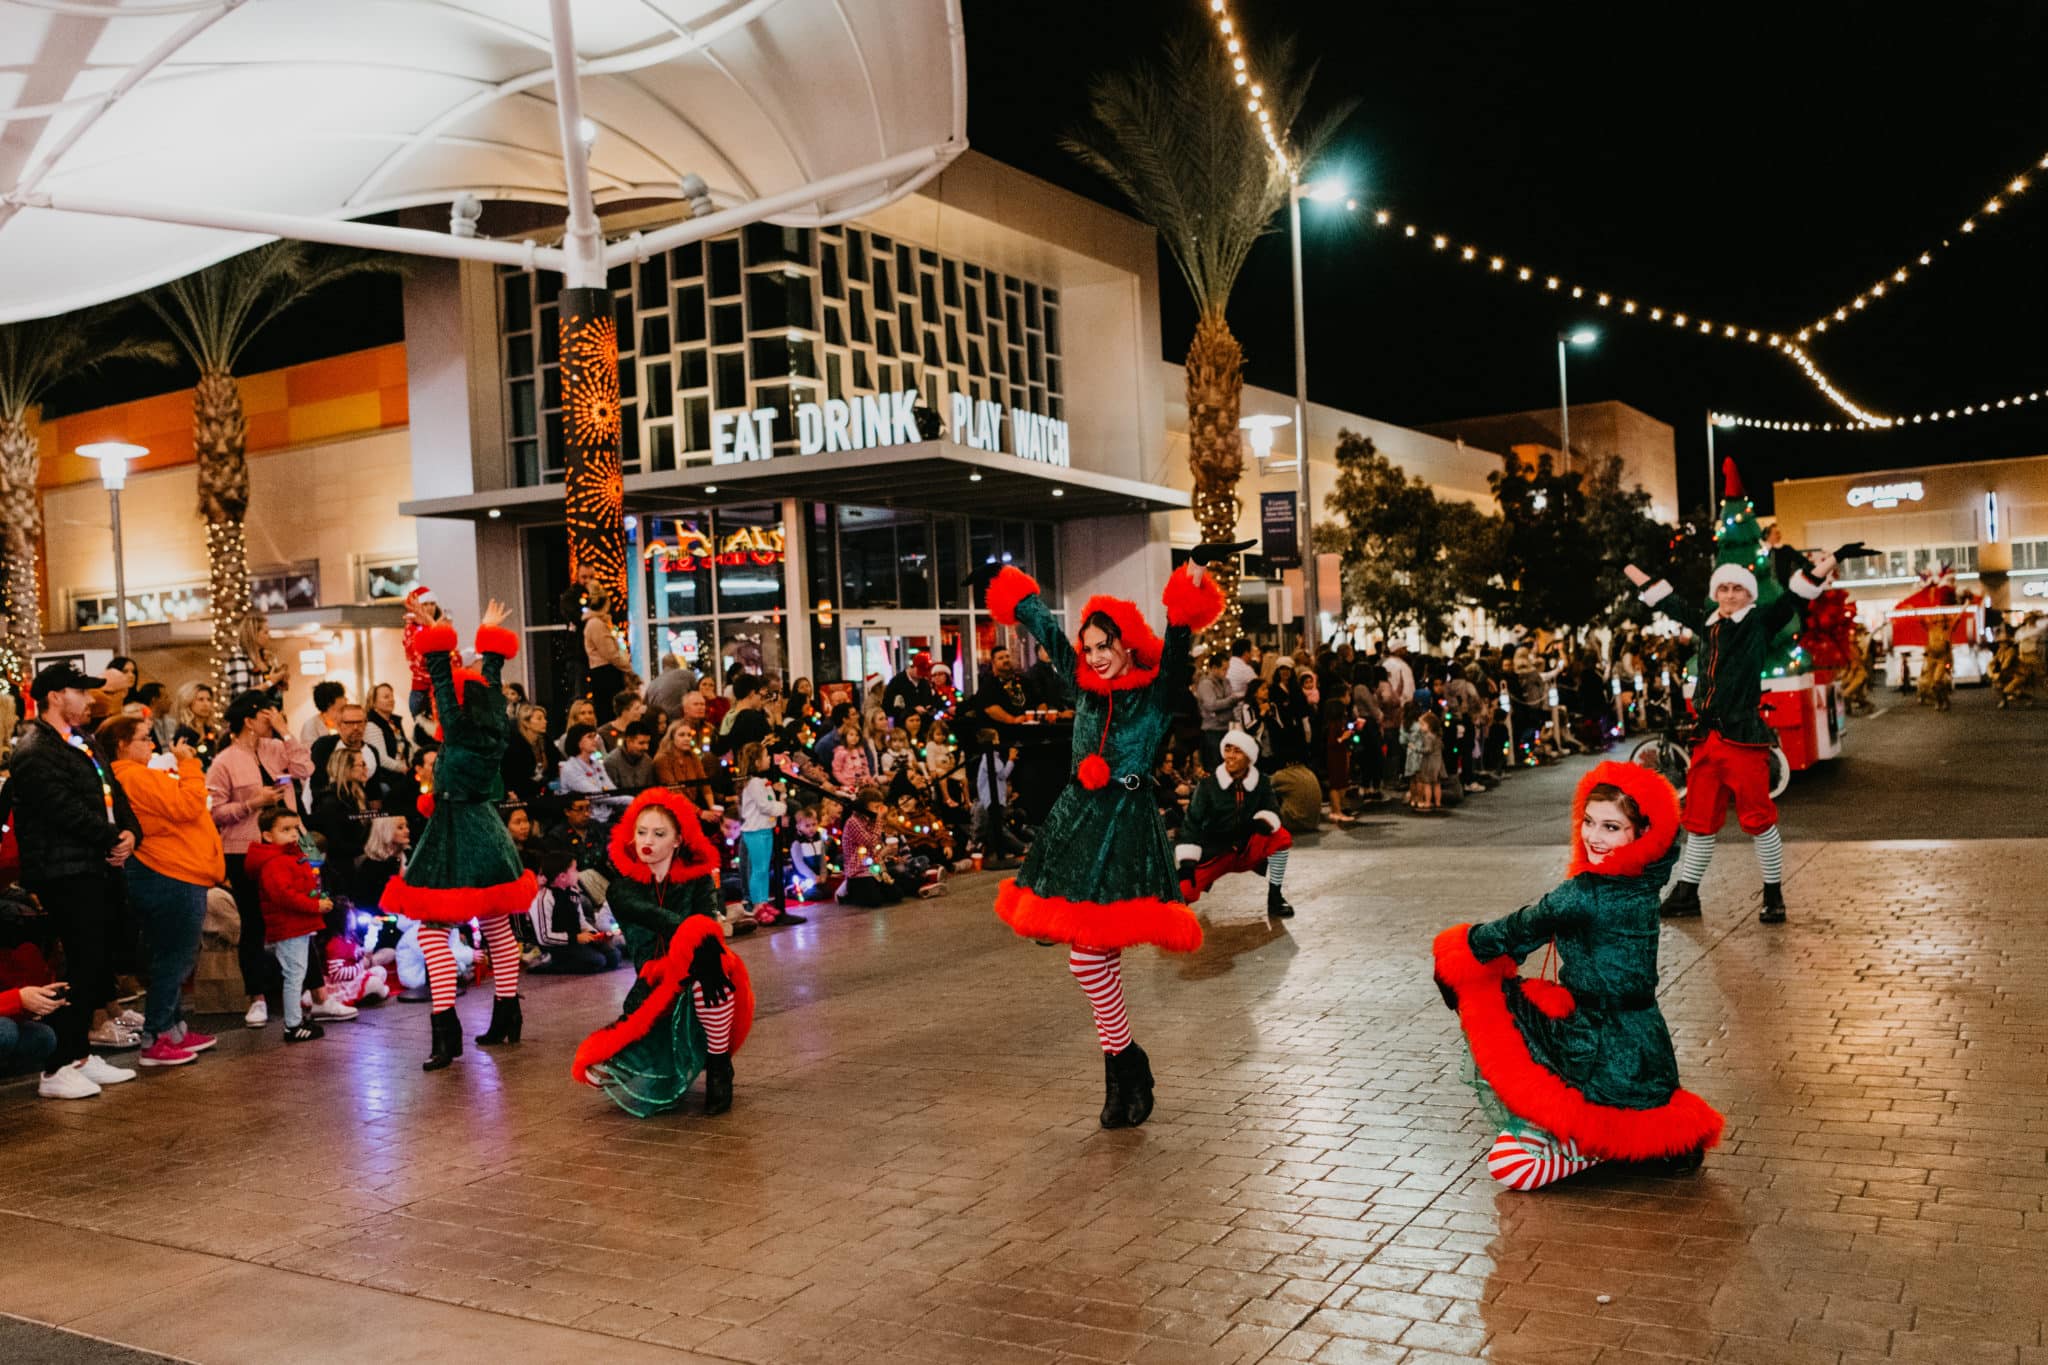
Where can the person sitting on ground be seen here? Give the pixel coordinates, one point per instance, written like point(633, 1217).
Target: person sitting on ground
point(810, 857)
point(865, 852)
point(574, 938)
point(26, 1042)
point(294, 912)
point(855, 764)
point(1233, 825)
point(925, 842)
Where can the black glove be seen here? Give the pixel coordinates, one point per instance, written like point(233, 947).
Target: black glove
point(707, 969)
point(1855, 549)
point(1215, 552)
point(1187, 872)
point(1450, 996)
point(983, 575)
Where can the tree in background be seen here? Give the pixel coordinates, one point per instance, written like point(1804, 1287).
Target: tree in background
point(1548, 568)
point(1619, 525)
point(213, 316)
point(1192, 163)
point(35, 357)
point(1408, 558)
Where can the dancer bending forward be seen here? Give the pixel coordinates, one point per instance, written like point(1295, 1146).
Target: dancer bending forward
point(692, 1004)
point(1233, 825)
point(465, 865)
point(1101, 876)
point(1580, 1070)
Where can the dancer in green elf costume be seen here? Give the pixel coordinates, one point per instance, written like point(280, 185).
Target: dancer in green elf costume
point(465, 865)
point(1101, 875)
point(1580, 1070)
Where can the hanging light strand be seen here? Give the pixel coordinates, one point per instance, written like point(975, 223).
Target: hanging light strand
point(1912, 419)
point(1238, 53)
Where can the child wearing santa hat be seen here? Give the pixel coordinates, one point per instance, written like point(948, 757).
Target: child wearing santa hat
point(422, 610)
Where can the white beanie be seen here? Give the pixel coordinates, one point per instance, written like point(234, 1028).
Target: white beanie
point(1732, 573)
point(1244, 743)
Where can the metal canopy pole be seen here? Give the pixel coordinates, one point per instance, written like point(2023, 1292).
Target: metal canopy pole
point(582, 241)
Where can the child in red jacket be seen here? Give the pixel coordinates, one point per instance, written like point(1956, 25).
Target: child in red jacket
point(293, 910)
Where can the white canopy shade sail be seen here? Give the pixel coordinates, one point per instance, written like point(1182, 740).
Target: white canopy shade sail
point(143, 139)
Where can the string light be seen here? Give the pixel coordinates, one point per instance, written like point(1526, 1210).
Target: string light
point(1983, 409)
point(1241, 77)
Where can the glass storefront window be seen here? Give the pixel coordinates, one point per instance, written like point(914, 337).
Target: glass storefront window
point(867, 559)
point(913, 563)
point(750, 559)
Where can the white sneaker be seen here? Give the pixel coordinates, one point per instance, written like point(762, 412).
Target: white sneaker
point(331, 1009)
point(129, 1019)
point(68, 1083)
point(259, 1013)
point(100, 1071)
point(113, 1035)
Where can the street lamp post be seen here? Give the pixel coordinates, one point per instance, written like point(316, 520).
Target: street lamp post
point(1583, 336)
point(113, 458)
point(1325, 192)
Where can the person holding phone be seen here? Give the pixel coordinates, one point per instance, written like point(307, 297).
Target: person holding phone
point(25, 1040)
point(253, 772)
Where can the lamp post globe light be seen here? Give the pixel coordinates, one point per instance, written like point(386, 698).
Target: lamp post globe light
point(1324, 191)
point(1577, 336)
point(113, 458)
point(1260, 427)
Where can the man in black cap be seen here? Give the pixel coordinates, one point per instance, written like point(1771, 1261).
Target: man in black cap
point(76, 831)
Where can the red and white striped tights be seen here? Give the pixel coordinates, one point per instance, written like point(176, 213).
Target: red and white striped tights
point(716, 1019)
point(1531, 1160)
point(1101, 974)
point(504, 949)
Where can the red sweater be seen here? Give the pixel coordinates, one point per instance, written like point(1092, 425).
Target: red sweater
point(289, 889)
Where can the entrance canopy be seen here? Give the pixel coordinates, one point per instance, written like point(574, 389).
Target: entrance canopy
point(144, 139)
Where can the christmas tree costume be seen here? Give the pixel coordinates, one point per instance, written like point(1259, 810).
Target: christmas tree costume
point(465, 866)
point(692, 1003)
point(1101, 875)
point(1579, 1070)
point(1233, 825)
point(1730, 762)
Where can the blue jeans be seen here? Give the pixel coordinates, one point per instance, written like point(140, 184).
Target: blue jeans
point(291, 957)
point(24, 1043)
point(760, 846)
point(172, 913)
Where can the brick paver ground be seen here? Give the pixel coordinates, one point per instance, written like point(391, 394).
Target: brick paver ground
point(913, 1171)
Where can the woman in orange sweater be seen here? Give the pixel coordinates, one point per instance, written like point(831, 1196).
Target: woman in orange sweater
point(168, 887)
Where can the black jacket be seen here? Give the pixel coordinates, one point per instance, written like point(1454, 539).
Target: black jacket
point(60, 809)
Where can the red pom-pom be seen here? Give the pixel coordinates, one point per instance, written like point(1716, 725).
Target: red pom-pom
point(1093, 772)
point(1009, 587)
point(497, 640)
point(426, 805)
point(1549, 998)
point(1191, 604)
point(439, 638)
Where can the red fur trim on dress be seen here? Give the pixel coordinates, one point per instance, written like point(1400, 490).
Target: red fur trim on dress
point(1683, 1123)
point(497, 640)
point(1138, 637)
point(439, 638)
point(1010, 587)
point(456, 904)
point(669, 974)
point(1114, 924)
point(695, 857)
point(1191, 604)
point(1659, 804)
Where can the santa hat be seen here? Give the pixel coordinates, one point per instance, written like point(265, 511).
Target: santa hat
point(1731, 482)
point(1732, 573)
point(419, 595)
point(1243, 743)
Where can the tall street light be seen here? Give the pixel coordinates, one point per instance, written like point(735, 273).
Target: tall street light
point(113, 458)
point(1323, 192)
point(1714, 419)
point(1582, 336)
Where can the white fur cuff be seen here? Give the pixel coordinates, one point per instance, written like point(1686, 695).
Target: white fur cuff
point(1270, 819)
point(1804, 586)
point(1656, 593)
point(1187, 853)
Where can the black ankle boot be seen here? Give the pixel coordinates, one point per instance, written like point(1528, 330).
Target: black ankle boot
point(1276, 904)
point(1137, 1068)
point(1774, 904)
point(447, 1028)
point(1113, 1090)
point(717, 1083)
point(1683, 902)
point(505, 1022)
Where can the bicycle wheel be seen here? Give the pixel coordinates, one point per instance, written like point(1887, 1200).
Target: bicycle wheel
point(1664, 757)
point(1781, 771)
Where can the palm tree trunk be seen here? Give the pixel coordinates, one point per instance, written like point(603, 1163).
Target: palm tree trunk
point(22, 510)
point(1215, 368)
point(220, 434)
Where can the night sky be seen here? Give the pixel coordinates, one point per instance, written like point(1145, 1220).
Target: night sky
point(1759, 164)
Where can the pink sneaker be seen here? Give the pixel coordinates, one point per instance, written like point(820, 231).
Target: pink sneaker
point(191, 1040)
point(164, 1052)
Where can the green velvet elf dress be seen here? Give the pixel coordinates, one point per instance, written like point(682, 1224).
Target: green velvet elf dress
point(1101, 873)
point(647, 1060)
point(1586, 1058)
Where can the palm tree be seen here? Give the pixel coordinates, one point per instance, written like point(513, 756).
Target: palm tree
point(35, 357)
point(213, 316)
point(1176, 139)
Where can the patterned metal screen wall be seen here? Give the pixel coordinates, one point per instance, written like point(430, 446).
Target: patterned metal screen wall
point(771, 317)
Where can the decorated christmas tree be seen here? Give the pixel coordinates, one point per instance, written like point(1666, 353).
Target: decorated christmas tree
point(1739, 539)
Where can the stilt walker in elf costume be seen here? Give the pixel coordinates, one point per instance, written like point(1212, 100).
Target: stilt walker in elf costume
point(1101, 877)
point(692, 1003)
point(1580, 1070)
point(465, 866)
point(1233, 825)
point(1730, 761)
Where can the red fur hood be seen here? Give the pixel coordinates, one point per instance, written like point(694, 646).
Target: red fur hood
point(694, 858)
point(1138, 636)
point(1659, 803)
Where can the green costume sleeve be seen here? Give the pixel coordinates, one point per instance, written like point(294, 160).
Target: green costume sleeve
point(1522, 933)
point(1034, 616)
point(1204, 822)
point(1680, 609)
point(441, 670)
point(1176, 661)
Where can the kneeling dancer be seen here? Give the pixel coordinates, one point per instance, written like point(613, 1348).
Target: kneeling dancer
point(465, 865)
point(692, 1004)
point(1580, 1070)
point(1233, 825)
point(1101, 877)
